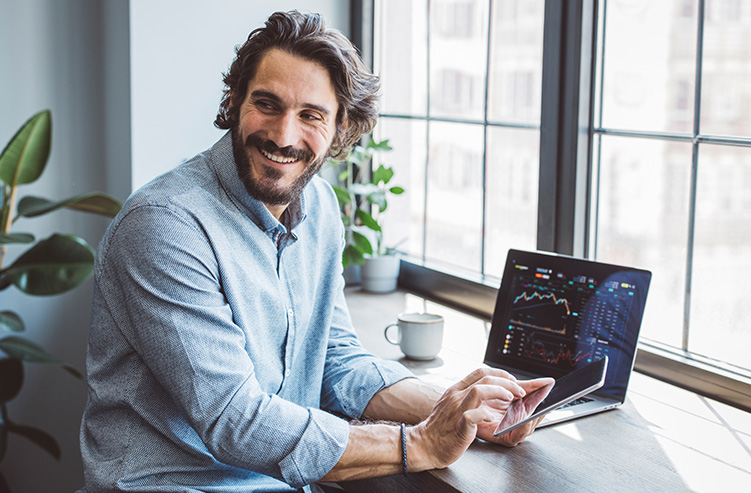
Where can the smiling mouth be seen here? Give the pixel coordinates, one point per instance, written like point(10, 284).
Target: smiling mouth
point(277, 159)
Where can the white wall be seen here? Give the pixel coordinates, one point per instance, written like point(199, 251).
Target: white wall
point(55, 54)
point(179, 51)
point(133, 88)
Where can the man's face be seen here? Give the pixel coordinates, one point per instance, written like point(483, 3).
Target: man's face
point(285, 128)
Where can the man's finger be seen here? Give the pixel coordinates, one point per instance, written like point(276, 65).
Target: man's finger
point(511, 385)
point(520, 434)
point(478, 393)
point(478, 415)
point(480, 373)
point(531, 385)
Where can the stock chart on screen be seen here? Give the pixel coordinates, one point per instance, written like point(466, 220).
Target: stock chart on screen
point(555, 313)
point(564, 320)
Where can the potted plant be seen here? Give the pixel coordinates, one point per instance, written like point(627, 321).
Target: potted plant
point(50, 266)
point(363, 198)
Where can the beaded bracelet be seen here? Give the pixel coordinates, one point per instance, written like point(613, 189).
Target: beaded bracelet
point(404, 449)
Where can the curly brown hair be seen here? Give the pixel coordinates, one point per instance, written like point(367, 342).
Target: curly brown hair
point(306, 36)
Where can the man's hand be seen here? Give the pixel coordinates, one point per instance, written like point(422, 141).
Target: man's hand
point(472, 407)
point(446, 424)
point(501, 409)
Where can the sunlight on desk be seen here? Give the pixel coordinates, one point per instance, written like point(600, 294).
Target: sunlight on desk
point(570, 430)
point(706, 441)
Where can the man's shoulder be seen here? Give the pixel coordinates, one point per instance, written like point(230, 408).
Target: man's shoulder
point(192, 179)
point(175, 198)
point(194, 185)
point(319, 191)
point(320, 201)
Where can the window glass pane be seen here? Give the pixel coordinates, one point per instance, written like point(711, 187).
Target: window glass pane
point(643, 222)
point(720, 293)
point(458, 57)
point(401, 56)
point(403, 225)
point(650, 65)
point(454, 201)
point(513, 170)
point(515, 84)
point(726, 68)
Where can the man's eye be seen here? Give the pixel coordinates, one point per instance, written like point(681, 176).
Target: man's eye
point(265, 105)
point(311, 117)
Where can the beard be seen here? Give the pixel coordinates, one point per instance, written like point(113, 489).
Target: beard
point(266, 187)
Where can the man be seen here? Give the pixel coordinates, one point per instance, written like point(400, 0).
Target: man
point(220, 341)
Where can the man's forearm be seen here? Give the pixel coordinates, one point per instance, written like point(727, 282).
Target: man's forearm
point(408, 401)
point(375, 450)
point(446, 424)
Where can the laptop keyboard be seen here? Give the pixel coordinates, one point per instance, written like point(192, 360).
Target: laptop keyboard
point(580, 400)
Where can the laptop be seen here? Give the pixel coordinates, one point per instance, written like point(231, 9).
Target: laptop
point(555, 313)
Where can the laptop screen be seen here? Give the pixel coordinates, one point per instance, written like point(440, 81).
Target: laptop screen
point(554, 313)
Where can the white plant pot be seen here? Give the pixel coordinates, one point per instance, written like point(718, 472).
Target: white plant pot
point(380, 274)
point(352, 276)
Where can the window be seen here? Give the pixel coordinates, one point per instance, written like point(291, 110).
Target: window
point(649, 166)
point(673, 133)
point(461, 107)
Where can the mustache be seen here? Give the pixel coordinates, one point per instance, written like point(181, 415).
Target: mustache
point(304, 155)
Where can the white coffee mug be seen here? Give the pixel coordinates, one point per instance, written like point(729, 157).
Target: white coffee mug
point(420, 335)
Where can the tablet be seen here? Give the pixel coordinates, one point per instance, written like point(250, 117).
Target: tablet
point(569, 387)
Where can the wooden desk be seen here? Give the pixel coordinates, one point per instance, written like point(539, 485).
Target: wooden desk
point(663, 439)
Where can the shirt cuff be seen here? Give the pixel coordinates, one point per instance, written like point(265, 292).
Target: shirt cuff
point(318, 450)
point(354, 393)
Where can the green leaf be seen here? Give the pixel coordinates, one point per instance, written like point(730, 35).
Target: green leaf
point(52, 266)
point(38, 437)
point(396, 190)
point(11, 379)
point(11, 322)
point(380, 146)
point(25, 350)
point(95, 202)
point(342, 195)
point(382, 174)
point(362, 243)
point(352, 256)
point(367, 220)
point(24, 158)
point(8, 238)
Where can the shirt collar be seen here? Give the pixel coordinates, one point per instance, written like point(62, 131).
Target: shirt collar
point(223, 161)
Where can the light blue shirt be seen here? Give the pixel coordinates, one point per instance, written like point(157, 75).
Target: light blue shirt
point(212, 352)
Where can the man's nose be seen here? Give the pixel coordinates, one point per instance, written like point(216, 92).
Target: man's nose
point(284, 130)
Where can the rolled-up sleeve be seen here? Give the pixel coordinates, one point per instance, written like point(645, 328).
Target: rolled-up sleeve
point(353, 375)
point(181, 327)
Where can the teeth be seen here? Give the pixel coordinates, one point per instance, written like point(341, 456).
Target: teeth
point(278, 159)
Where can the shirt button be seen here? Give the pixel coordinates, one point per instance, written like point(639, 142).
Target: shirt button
point(290, 312)
point(286, 373)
